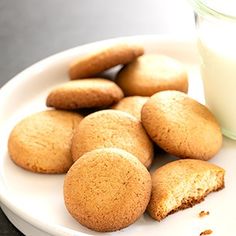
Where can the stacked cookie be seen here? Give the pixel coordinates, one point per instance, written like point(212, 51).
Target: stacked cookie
point(107, 152)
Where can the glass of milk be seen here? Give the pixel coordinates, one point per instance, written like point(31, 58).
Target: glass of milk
point(216, 29)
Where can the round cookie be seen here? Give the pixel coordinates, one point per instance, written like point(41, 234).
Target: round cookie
point(104, 58)
point(152, 73)
point(182, 184)
point(132, 105)
point(111, 128)
point(107, 189)
point(86, 93)
point(41, 142)
point(181, 126)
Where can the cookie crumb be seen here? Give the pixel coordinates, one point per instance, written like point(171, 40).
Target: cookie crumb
point(206, 232)
point(203, 213)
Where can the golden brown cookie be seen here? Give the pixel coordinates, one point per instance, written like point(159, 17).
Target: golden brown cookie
point(132, 105)
point(182, 184)
point(86, 93)
point(152, 73)
point(104, 58)
point(181, 125)
point(111, 128)
point(107, 189)
point(41, 142)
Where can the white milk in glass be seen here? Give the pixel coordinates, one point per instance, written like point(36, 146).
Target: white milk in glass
point(217, 47)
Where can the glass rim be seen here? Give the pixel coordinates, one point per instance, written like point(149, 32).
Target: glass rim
point(202, 8)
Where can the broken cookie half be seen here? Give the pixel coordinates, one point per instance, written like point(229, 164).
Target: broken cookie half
point(182, 184)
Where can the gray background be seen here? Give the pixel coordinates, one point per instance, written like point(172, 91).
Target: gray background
point(31, 30)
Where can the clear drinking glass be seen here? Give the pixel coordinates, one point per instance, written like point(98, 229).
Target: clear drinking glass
point(216, 30)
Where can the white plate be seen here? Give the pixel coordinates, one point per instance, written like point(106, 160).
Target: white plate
point(34, 202)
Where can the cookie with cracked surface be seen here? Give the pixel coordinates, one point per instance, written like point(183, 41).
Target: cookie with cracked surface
point(41, 142)
point(104, 58)
point(107, 189)
point(181, 126)
point(86, 93)
point(151, 73)
point(112, 128)
point(132, 105)
point(182, 184)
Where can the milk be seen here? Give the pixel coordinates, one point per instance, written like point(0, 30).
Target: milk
point(216, 24)
point(216, 28)
point(218, 68)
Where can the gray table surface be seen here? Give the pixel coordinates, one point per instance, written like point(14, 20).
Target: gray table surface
point(31, 30)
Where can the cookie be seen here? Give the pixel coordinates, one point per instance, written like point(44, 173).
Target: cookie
point(182, 184)
point(132, 105)
point(181, 126)
point(152, 73)
point(41, 142)
point(104, 58)
point(111, 128)
point(86, 93)
point(107, 189)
